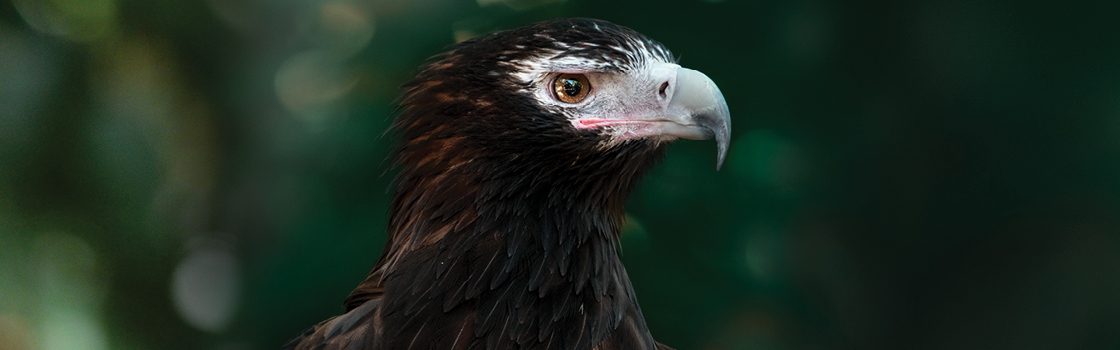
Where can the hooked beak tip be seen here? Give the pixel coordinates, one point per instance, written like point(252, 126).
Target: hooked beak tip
point(699, 95)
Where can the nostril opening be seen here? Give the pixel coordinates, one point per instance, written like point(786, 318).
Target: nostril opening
point(661, 92)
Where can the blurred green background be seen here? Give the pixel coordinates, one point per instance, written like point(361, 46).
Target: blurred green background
point(211, 174)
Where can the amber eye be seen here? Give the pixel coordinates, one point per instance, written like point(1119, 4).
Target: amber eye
point(571, 88)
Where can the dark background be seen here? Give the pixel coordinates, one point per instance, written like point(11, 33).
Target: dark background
point(902, 175)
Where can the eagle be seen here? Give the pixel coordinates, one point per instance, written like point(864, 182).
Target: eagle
point(516, 153)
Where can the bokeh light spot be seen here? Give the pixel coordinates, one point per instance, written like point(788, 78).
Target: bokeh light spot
point(68, 271)
point(308, 84)
point(72, 289)
point(347, 26)
point(206, 286)
point(69, 329)
point(79, 20)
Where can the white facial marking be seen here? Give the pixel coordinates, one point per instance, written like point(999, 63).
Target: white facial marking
point(622, 88)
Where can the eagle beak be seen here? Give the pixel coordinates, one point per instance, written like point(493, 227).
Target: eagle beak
point(673, 102)
point(694, 107)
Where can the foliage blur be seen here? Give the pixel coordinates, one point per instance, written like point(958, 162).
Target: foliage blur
point(903, 175)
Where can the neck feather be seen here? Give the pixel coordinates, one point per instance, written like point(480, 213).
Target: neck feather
point(520, 252)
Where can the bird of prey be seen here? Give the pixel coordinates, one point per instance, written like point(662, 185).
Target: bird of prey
point(517, 151)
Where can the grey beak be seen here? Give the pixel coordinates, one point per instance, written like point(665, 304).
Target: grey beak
point(696, 97)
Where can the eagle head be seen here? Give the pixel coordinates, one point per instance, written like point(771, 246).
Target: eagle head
point(561, 101)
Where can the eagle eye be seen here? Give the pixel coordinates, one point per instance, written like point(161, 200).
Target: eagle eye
point(571, 88)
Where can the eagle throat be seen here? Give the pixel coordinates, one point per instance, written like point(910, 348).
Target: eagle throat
point(523, 251)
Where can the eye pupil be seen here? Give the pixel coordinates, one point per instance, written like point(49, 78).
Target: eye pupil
point(572, 87)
